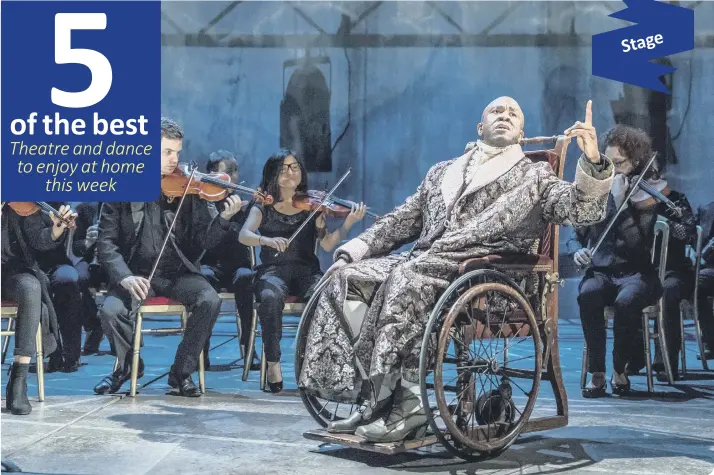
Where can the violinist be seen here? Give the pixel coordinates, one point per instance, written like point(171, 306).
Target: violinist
point(65, 288)
point(131, 236)
point(706, 279)
point(294, 269)
point(24, 282)
point(621, 273)
point(228, 264)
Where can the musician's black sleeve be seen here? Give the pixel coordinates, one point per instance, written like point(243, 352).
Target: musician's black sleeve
point(210, 227)
point(684, 228)
point(109, 253)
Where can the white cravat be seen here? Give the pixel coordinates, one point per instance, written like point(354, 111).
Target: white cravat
point(482, 154)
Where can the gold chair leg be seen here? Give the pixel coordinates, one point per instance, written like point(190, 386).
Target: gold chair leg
point(201, 374)
point(698, 329)
point(584, 367)
point(683, 349)
point(240, 336)
point(6, 339)
point(648, 356)
point(135, 354)
point(248, 360)
point(663, 344)
point(40, 365)
point(263, 369)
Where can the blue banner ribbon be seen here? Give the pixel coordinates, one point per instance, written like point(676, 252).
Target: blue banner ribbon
point(624, 54)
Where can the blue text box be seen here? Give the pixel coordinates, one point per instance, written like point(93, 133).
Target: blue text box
point(116, 155)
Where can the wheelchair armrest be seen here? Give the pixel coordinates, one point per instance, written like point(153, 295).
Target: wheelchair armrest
point(508, 262)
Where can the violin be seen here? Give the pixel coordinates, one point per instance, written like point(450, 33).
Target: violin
point(313, 199)
point(214, 186)
point(652, 197)
point(27, 208)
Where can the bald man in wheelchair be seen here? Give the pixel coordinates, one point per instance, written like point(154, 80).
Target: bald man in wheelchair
point(491, 200)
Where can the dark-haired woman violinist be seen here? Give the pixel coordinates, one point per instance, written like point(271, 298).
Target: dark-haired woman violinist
point(286, 269)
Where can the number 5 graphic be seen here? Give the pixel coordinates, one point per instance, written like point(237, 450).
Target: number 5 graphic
point(97, 63)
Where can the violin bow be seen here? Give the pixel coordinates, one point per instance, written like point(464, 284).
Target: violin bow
point(317, 208)
point(632, 191)
point(166, 239)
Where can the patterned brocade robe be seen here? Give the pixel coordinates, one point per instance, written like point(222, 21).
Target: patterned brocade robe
point(503, 207)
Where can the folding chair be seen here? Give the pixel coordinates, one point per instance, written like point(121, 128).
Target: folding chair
point(160, 306)
point(695, 303)
point(8, 310)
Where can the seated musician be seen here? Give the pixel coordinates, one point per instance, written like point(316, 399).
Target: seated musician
point(490, 200)
point(287, 268)
point(90, 273)
point(706, 279)
point(622, 274)
point(24, 282)
point(228, 266)
point(65, 290)
point(130, 238)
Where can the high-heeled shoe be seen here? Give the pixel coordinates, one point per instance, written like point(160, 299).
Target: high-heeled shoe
point(276, 387)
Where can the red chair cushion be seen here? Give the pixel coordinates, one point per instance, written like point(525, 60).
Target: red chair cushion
point(160, 301)
point(9, 303)
point(291, 299)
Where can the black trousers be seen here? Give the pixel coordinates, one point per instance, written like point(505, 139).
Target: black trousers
point(629, 294)
point(240, 282)
point(192, 290)
point(65, 288)
point(677, 286)
point(25, 290)
point(273, 284)
point(90, 317)
point(706, 315)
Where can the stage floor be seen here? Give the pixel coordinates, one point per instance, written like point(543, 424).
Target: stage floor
point(236, 429)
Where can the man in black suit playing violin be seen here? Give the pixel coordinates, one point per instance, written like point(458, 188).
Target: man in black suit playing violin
point(621, 274)
point(130, 239)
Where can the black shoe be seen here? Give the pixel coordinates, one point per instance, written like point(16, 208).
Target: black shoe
point(186, 386)
point(633, 369)
point(708, 354)
point(16, 392)
point(620, 389)
point(113, 383)
point(91, 344)
point(56, 363)
point(71, 366)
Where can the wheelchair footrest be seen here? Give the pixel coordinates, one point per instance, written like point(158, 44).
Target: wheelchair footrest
point(356, 442)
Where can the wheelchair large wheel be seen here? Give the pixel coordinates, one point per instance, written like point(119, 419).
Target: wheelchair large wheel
point(322, 410)
point(480, 365)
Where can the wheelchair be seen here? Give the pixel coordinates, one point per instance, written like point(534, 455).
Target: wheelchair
point(490, 340)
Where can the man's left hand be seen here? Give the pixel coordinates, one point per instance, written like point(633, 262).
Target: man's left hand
point(586, 135)
point(233, 206)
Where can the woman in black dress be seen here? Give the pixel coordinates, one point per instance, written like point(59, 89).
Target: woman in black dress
point(286, 269)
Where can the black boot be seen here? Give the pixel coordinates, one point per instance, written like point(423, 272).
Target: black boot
point(16, 394)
